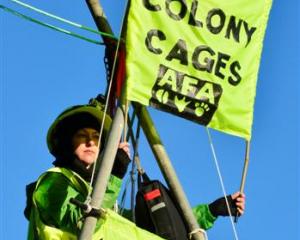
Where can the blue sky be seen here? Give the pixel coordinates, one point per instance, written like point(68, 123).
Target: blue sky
point(43, 72)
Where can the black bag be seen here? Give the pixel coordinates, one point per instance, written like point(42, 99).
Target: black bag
point(156, 211)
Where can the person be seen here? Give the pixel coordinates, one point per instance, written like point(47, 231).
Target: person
point(73, 139)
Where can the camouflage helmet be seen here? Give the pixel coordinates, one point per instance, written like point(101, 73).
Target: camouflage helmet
point(73, 118)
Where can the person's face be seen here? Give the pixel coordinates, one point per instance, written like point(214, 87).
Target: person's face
point(85, 145)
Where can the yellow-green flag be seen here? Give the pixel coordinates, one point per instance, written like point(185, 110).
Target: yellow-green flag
point(197, 59)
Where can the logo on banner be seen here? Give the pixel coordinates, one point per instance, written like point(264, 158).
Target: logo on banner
point(185, 95)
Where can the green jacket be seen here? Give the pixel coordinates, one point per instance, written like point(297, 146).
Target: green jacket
point(54, 217)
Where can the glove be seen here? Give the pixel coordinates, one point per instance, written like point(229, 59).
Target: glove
point(121, 164)
point(219, 207)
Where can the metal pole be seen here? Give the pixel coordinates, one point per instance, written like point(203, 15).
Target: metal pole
point(245, 171)
point(100, 19)
point(105, 168)
point(111, 147)
point(168, 171)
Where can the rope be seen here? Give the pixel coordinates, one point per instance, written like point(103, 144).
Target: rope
point(107, 98)
point(123, 198)
point(136, 161)
point(136, 164)
point(221, 181)
point(63, 20)
point(50, 26)
point(136, 154)
point(130, 123)
point(196, 231)
point(125, 120)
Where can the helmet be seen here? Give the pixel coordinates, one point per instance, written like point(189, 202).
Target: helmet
point(73, 118)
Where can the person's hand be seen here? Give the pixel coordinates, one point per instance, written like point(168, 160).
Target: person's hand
point(122, 160)
point(236, 203)
point(240, 201)
point(125, 147)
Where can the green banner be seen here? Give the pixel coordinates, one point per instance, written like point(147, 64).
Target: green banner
point(197, 59)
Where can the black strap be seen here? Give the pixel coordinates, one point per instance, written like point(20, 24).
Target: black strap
point(142, 178)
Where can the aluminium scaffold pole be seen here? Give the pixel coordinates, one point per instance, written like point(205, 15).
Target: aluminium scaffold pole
point(105, 168)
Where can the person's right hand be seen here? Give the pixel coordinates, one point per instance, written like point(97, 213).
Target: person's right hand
point(122, 160)
point(125, 147)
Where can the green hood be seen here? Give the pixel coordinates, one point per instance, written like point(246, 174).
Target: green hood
point(76, 117)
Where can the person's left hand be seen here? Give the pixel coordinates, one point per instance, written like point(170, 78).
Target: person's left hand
point(236, 203)
point(240, 201)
